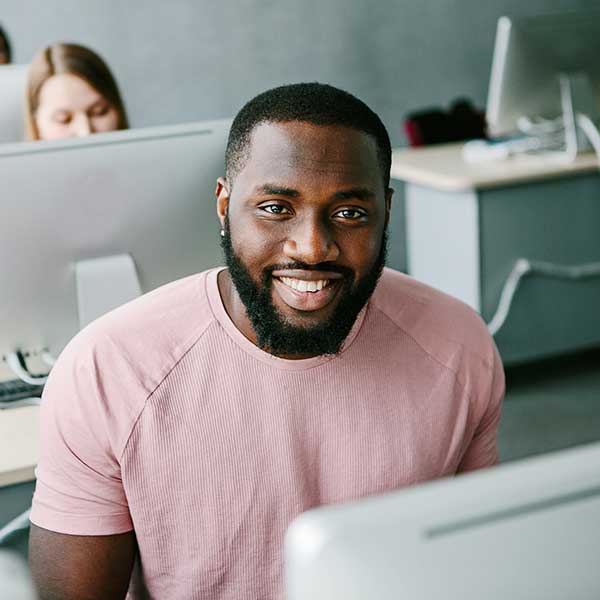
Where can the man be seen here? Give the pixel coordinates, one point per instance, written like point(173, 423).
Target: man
point(189, 427)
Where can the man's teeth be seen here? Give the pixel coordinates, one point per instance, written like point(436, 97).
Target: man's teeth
point(302, 285)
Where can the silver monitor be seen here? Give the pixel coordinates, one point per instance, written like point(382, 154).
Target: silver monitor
point(530, 55)
point(12, 99)
point(15, 581)
point(87, 224)
point(526, 531)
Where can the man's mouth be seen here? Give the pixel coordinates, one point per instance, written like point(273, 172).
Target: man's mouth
point(306, 290)
point(301, 285)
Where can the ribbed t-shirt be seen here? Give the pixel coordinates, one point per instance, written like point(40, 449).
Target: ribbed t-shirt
point(163, 418)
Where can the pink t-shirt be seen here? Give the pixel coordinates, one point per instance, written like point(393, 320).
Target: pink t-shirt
point(162, 417)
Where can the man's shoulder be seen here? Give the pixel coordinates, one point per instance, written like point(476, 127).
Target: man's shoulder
point(149, 334)
point(442, 325)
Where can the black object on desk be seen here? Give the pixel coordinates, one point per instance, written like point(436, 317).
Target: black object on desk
point(15, 389)
point(438, 126)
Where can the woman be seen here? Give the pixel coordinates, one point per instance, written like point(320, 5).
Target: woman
point(71, 93)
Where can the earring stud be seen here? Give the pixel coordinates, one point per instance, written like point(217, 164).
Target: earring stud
point(222, 233)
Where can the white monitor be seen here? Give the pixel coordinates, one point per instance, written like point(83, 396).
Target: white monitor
point(15, 581)
point(530, 54)
point(523, 531)
point(144, 195)
point(12, 101)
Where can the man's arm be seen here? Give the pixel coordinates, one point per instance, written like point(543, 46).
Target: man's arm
point(73, 567)
point(483, 449)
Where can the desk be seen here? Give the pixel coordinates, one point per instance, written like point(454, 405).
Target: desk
point(468, 225)
point(19, 444)
point(19, 452)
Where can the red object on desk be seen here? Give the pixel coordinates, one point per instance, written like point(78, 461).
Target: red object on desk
point(435, 126)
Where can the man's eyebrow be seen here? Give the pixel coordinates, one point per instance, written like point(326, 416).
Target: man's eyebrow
point(364, 194)
point(269, 189)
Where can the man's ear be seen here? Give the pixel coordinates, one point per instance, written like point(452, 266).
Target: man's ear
point(222, 194)
point(388, 204)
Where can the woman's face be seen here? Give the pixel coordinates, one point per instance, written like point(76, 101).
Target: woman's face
point(70, 107)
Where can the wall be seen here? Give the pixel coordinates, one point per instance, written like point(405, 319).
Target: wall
point(183, 60)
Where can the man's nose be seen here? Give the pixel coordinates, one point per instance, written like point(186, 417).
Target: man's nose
point(82, 125)
point(311, 242)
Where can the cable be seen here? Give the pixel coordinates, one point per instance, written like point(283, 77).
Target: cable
point(16, 362)
point(525, 267)
point(591, 132)
point(540, 126)
point(521, 268)
point(48, 358)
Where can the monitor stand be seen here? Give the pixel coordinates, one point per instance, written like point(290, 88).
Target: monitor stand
point(103, 284)
point(577, 98)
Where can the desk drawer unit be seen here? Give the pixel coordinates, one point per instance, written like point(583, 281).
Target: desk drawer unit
point(526, 256)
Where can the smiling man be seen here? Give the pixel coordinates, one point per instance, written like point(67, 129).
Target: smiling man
point(189, 427)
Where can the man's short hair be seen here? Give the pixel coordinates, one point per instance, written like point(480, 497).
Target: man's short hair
point(315, 103)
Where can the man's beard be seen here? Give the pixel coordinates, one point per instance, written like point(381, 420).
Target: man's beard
point(275, 334)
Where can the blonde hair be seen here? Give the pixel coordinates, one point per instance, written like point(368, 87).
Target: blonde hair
point(76, 60)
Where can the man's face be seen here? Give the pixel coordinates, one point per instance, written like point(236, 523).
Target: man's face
point(305, 224)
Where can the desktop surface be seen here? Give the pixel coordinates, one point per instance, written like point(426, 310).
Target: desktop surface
point(442, 167)
point(19, 444)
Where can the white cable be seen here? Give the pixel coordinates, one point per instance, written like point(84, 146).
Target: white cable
point(33, 401)
point(20, 523)
point(525, 267)
point(48, 358)
point(591, 132)
point(540, 126)
point(522, 267)
point(14, 362)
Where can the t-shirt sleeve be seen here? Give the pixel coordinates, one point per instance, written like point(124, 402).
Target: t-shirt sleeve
point(483, 449)
point(86, 416)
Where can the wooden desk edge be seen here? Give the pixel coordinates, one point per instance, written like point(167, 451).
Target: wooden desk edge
point(464, 184)
point(15, 476)
point(19, 444)
point(424, 175)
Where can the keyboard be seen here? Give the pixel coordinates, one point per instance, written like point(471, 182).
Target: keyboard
point(15, 389)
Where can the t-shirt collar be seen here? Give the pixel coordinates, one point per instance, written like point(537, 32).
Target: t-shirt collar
point(218, 309)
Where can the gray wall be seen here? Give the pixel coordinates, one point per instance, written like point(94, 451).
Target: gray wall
point(183, 60)
point(186, 60)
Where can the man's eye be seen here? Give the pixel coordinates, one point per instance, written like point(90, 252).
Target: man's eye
point(276, 209)
point(351, 213)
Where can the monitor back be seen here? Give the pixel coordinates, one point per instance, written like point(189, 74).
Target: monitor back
point(524, 531)
point(148, 193)
point(529, 55)
point(12, 94)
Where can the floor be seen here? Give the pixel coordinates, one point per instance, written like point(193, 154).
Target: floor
point(551, 405)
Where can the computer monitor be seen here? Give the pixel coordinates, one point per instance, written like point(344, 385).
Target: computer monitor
point(530, 56)
point(12, 100)
point(526, 530)
point(83, 222)
point(15, 581)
